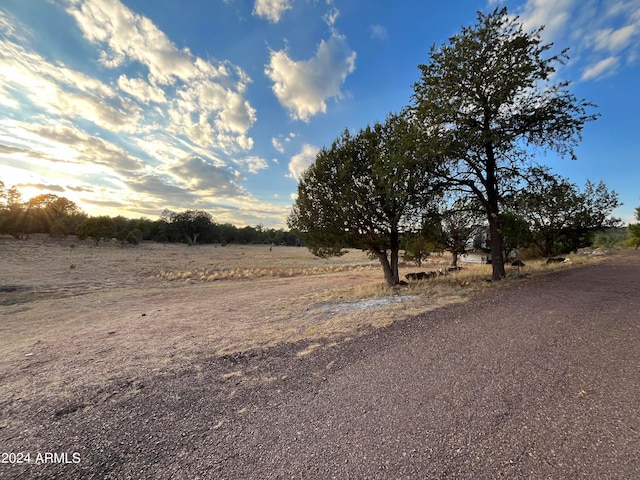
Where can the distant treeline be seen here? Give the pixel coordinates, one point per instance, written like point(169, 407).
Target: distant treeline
point(61, 217)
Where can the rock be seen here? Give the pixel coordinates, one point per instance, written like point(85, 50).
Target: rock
point(555, 260)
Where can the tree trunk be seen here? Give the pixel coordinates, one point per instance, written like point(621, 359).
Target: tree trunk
point(454, 258)
point(395, 251)
point(390, 263)
point(191, 239)
point(497, 260)
point(492, 205)
point(386, 267)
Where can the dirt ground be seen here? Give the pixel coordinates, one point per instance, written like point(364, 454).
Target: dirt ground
point(111, 352)
point(73, 315)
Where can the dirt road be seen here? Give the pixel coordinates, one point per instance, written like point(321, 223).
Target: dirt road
point(538, 379)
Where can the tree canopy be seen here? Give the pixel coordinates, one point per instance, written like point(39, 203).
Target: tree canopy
point(488, 95)
point(364, 192)
point(561, 217)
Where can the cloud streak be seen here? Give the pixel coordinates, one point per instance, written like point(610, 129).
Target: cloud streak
point(605, 67)
point(605, 35)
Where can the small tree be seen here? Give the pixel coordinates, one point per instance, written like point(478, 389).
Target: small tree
point(134, 237)
point(486, 96)
point(430, 238)
point(416, 249)
point(460, 224)
point(562, 218)
point(515, 231)
point(364, 192)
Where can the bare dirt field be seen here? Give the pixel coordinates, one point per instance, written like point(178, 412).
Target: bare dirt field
point(83, 328)
point(75, 315)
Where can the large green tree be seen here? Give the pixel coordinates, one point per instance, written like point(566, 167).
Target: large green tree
point(364, 192)
point(487, 96)
point(49, 213)
point(188, 226)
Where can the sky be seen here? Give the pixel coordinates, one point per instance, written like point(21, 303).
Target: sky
point(130, 107)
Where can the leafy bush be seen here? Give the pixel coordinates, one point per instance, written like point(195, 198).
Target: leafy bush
point(133, 237)
point(58, 230)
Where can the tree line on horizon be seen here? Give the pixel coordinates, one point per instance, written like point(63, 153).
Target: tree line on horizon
point(457, 166)
point(60, 217)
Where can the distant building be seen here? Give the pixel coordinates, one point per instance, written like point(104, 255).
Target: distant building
point(476, 257)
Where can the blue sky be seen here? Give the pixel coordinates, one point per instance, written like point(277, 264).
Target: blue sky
point(133, 106)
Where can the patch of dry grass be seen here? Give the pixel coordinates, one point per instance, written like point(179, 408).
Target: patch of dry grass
point(211, 275)
point(208, 263)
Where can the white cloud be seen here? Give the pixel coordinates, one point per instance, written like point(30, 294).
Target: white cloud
point(205, 100)
point(300, 162)
point(331, 17)
point(64, 144)
point(378, 32)
point(303, 86)
point(613, 40)
point(141, 90)
point(277, 145)
point(272, 10)
point(127, 35)
point(198, 173)
point(603, 68)
point(553, 14)
point(252, 164)
point(623, 37)
point(61, 91)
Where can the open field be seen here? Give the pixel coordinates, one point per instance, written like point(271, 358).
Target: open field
point(78, 317)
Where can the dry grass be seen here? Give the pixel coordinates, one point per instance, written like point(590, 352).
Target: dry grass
point(211, 274)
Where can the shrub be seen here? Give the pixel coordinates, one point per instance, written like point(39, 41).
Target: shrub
point(58, 230)
point(133, 237)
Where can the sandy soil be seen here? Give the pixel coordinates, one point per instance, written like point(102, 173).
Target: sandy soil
point(73, 315)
